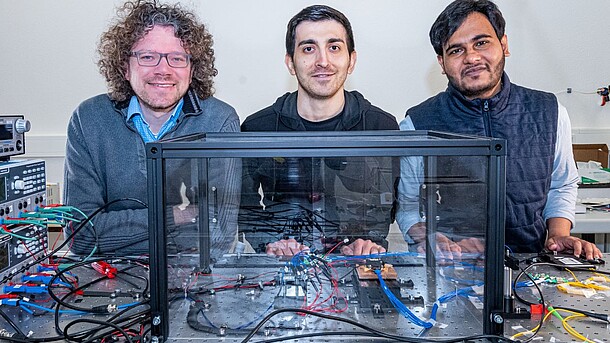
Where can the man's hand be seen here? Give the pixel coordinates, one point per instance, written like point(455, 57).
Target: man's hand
point(576, 245)
point(362, 247)
point(285, 247)
point(445, 247)
point(559, 240)
point(186, 215)
point(471, 246)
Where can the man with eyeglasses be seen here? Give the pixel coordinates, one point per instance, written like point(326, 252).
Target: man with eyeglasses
point(158, 62)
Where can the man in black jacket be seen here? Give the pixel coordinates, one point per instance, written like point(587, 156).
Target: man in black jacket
point(320, 53)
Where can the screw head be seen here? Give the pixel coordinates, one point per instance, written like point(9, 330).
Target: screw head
point(498, 319)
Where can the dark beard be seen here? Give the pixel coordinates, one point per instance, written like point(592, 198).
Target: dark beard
point(476, 93)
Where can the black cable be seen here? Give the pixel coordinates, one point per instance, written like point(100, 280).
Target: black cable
point(101, 323)
point(392, 339)
point(600, 316)
point(68, 239)
point(196, 325)
point(94, 334)
point(317, 334)
point(146, 332)
point(260, 218)
point(200, 306)
point(61, 302)
point(523, 271)
point(61, 275)
point(12, 324)
point(138, 317)
point(89, 218)
point(122, 272)
point(469, 339)
point(22, 338)
point(81, 287)
point(31, 340)
point(541, 301)
point(350, 272)
point(367, 328)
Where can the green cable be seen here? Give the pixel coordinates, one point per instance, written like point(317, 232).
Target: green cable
point(82, 214)
point(24, 221)
point(66, 265)
point(18, 236)
point(91, 254)
point(66, 209)
point(37, 215)
point(554, 312)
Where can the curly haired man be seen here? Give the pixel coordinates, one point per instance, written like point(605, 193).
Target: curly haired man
point(158, 62)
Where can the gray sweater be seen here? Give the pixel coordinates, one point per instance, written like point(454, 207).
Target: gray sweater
point(106, 160)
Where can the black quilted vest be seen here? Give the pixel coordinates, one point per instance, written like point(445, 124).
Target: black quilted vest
point(527, 119)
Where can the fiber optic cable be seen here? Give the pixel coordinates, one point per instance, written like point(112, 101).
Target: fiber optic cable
point(401, 308)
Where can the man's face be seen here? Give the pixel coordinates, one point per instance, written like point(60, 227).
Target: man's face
point(473, 58)
point(321, 60)
point(158, 88)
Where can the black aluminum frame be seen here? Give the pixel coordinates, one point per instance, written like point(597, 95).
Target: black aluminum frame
point(324, 144)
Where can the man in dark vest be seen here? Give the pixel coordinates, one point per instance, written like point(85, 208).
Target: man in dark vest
point(541, 178)
point(311, 201)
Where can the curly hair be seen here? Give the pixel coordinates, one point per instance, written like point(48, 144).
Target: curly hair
point(135, 19)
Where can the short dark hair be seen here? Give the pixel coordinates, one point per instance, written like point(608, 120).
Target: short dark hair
point(454, 15)
point(135, 19)
point(317, 13)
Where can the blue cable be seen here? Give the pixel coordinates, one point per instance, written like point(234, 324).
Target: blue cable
point(443, 299)
point(124, 306)
point(257, 318)
point(400, 307)
point(26, 309)
point(46, 309)
point(379, 255)
point(22, 303)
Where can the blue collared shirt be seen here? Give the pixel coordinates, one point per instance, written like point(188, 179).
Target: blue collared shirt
point(134, 112)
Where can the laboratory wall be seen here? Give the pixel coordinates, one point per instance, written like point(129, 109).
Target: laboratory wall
point(48, 59)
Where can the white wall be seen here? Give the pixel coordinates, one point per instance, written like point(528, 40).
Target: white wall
point(47, 64)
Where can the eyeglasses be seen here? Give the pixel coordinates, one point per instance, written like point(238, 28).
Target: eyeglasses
point(152, 58)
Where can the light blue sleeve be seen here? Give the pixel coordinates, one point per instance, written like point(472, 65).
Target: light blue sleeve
point(561, 200)
point(411, 178)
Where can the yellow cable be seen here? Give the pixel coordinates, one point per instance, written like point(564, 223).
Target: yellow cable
point(587, 285)
point(603, 276)
point(570, 329)
point(573, 331)
point(531, 331)
point(564, 323)
point(596, 287)
point(573, 275)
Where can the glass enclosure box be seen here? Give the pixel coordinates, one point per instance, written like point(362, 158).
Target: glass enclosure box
point(351, 235)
